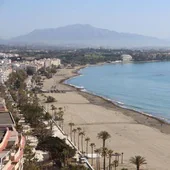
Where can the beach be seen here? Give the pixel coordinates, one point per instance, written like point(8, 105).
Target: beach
point(132, 133)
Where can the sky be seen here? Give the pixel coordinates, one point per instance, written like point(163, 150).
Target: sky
point(146, 17)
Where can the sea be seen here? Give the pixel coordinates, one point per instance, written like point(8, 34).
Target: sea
point(141, 86)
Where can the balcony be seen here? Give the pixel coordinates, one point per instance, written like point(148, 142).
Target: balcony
point(18, 153)
point(5, 139)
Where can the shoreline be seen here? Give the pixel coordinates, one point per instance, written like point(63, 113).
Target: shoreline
point(138, 116)
point(132, 132)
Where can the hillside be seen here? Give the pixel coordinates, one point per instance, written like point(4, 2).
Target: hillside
point(86, 35)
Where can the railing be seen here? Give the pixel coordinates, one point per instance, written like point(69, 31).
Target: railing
point(71, 143)
point(8, 166)
point(3, 160)
point(4, 142)
point(18, 155)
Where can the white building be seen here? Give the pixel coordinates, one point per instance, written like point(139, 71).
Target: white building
point(126, 57)
point(47, 63)
point(56, 62)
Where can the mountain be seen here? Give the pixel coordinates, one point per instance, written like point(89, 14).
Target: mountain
point(86, 35)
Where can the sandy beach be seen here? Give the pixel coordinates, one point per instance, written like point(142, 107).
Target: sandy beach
point(131, 132)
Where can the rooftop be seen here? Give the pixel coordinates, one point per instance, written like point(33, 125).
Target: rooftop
point(6, 119)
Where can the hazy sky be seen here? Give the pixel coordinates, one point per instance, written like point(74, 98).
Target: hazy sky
point(147, 17)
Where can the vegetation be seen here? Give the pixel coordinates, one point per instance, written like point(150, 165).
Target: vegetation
point(50, 99)
point(92, 150)
point(110, 152)
point(48, 72)
point(115, 164)
point(138, 161)
point(74, 134)
point(82, 134)
point(78, 137)
point(75, 167)
point(16, 80)
point(104, 136)
point(30, 162)
point(33, 114)
point(87, 144)
point(71, 129)
point(56, 148)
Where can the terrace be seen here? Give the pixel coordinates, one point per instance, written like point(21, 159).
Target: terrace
point(11, 151)
point(11, 143)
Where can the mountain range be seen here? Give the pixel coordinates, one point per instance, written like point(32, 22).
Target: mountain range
point(85, 35)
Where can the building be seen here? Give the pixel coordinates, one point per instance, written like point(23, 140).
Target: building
point(11, 142)
point(47, 63)
point(5, 69)
point(126, 57)
point(56, 62)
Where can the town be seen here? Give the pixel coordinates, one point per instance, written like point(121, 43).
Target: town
point(33, 119)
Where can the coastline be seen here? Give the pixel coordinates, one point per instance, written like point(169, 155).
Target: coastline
point(138, 116)
point(132, 132)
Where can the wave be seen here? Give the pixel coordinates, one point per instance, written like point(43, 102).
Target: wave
point(77, 87)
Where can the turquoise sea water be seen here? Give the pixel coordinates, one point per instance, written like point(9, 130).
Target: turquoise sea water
point(141, 86)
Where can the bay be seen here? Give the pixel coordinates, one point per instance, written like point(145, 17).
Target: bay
point(144, 87)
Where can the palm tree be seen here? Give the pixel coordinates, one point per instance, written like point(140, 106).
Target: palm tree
point(60, 115)
point(78, 129)
point(51, 123)
point(104, 152)
point(87, 144)
point(71, 128)
point(104, 135)
point(65, 154)
point(53, 108)
point(74, 131)
point(115, 164)
point(122, 158)
point(98, 151)
point(82, 134)
point(92, 149)
point(138, 161)
point(110, 152)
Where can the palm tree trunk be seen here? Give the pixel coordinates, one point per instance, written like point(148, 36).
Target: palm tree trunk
point(71, 132)
point(87, 147)
point(62, 124)
point(74, 138)
point(104, 162)
point(78, 142)
point(110, 162)
point(99, 162)
point(104, 157)
point(82, 143)
point(97, 167)
point(92, 156)
point(137, 167)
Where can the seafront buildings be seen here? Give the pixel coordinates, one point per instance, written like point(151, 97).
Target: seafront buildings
point(11, 142)
point(7, 66)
